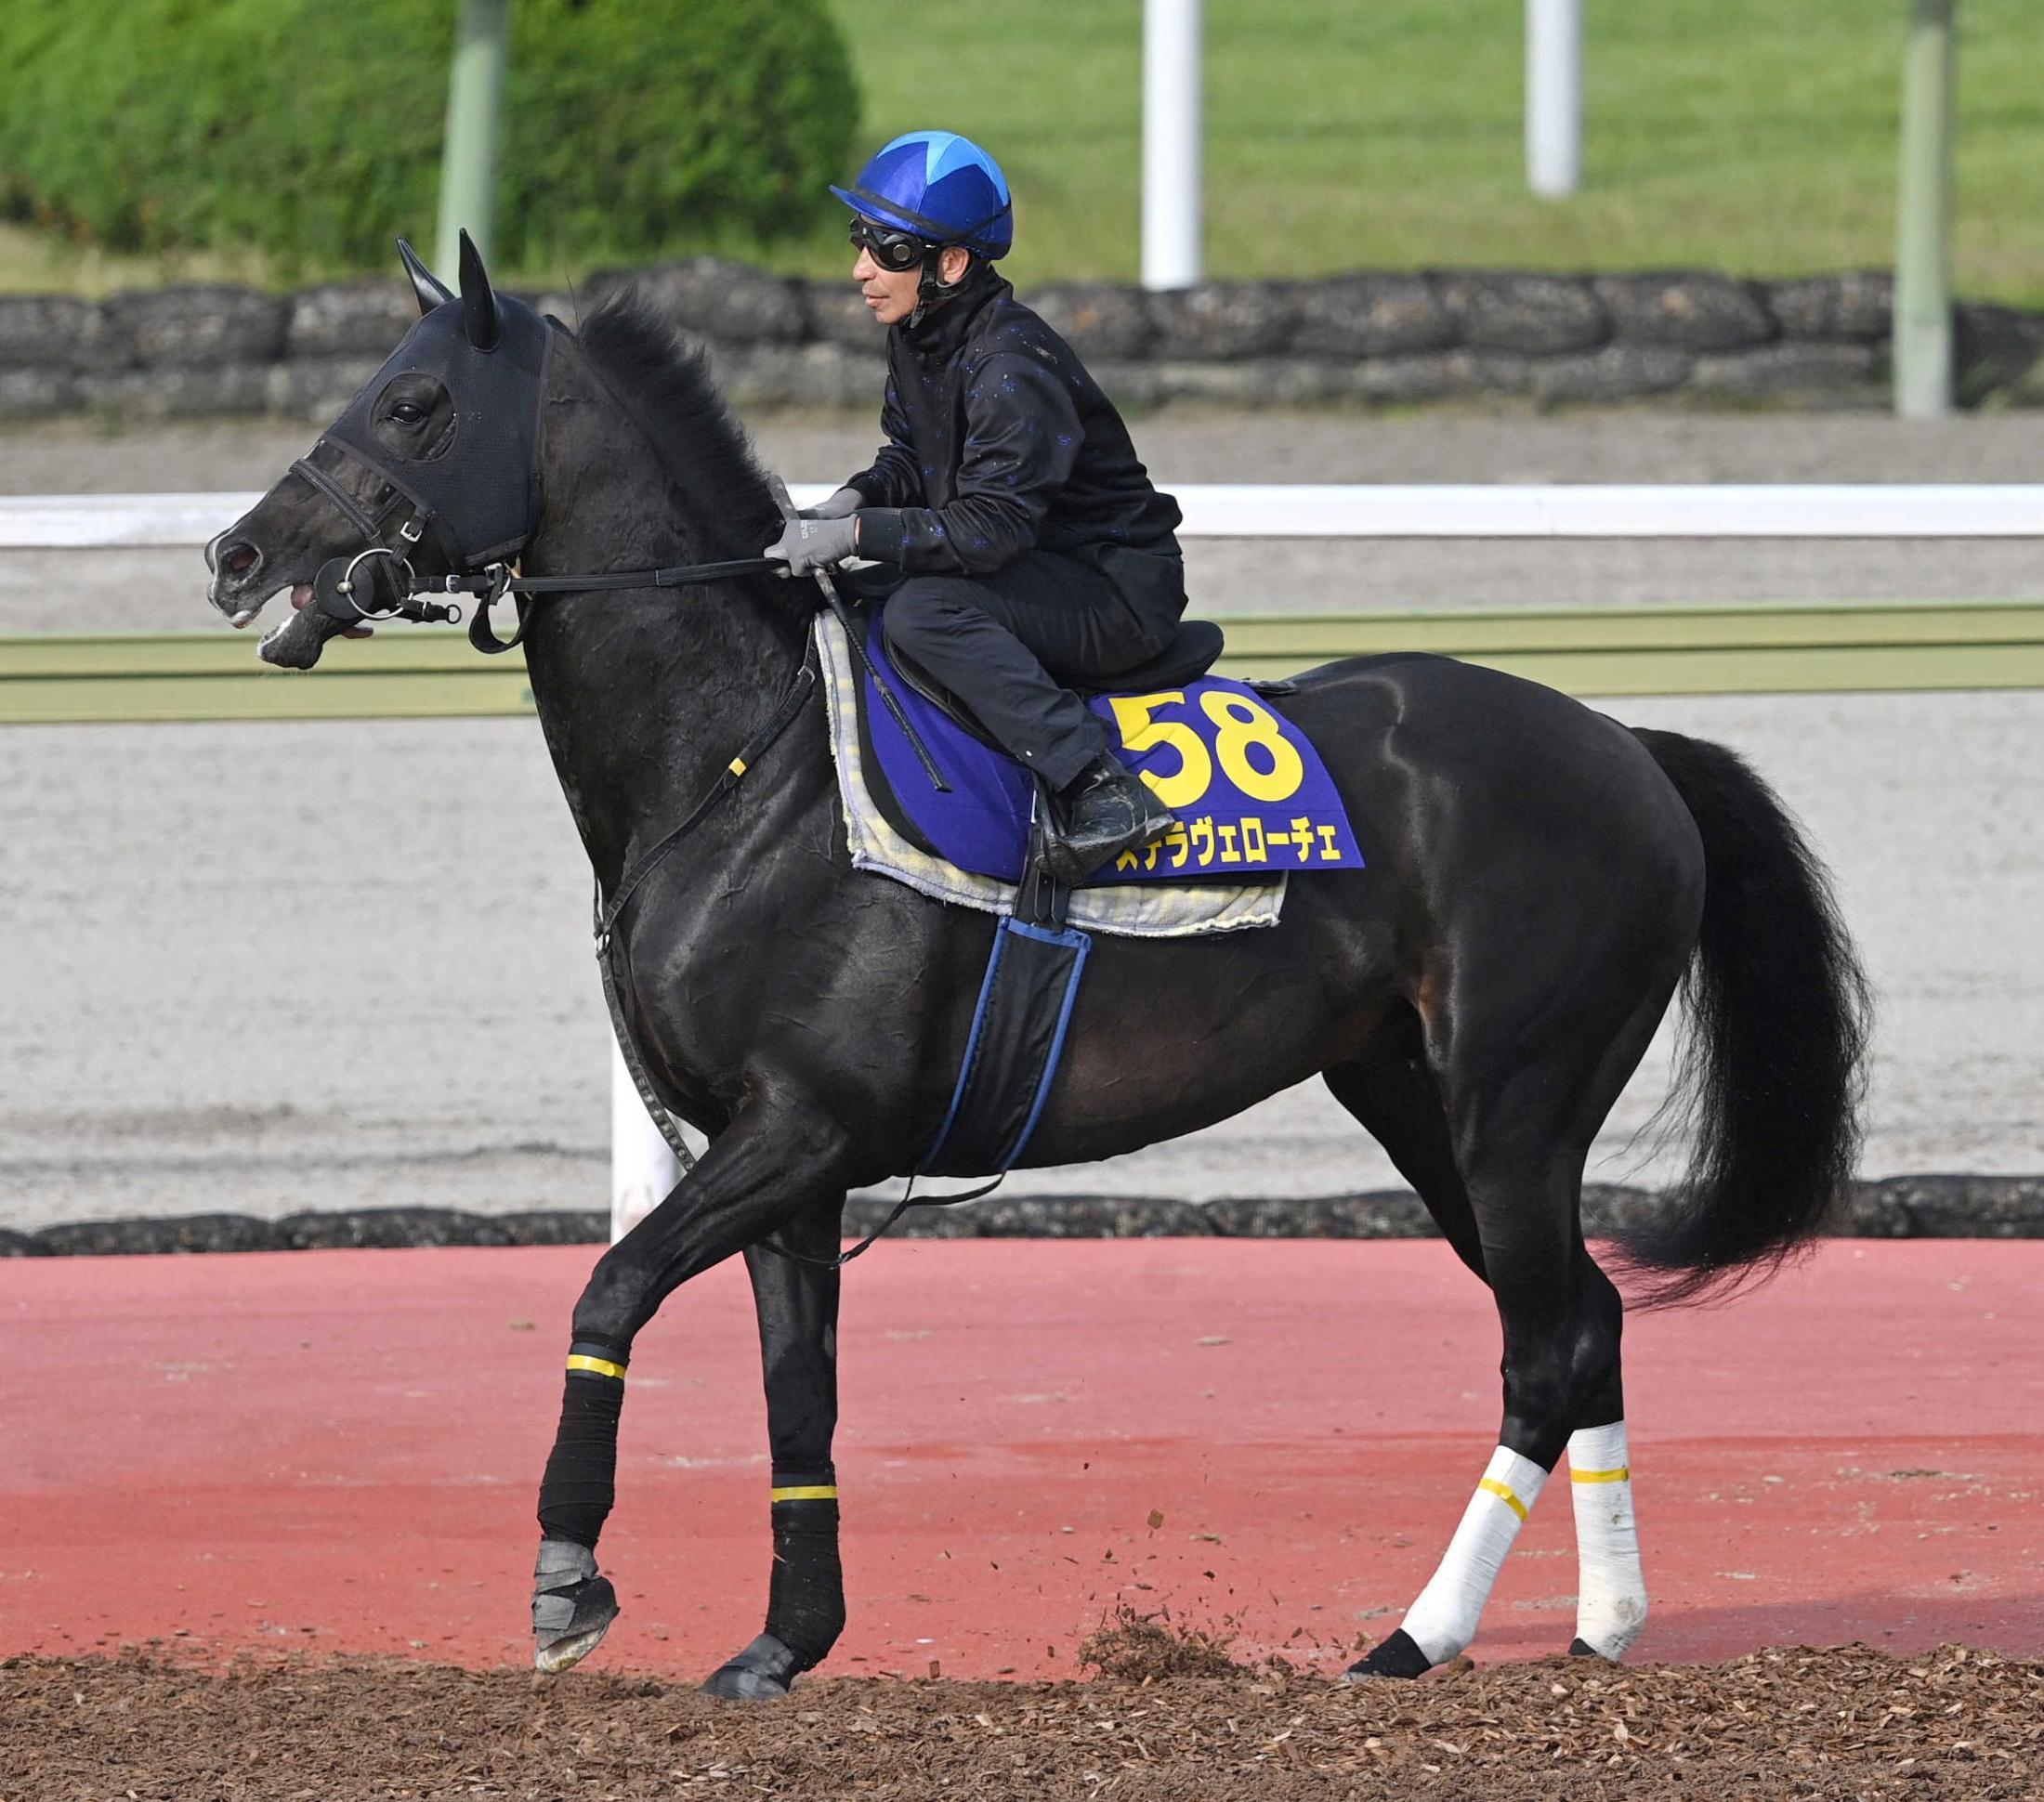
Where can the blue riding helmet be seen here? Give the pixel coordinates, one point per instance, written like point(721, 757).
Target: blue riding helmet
point(941, 186)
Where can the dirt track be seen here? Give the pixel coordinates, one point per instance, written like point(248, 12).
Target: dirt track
point(1837, 1723)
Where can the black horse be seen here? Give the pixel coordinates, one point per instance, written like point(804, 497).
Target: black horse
point(1542, 882)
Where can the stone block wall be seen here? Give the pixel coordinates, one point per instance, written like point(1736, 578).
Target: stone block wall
point(1358, 340)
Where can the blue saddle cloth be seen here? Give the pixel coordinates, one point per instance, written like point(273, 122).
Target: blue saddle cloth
point(1252, 795)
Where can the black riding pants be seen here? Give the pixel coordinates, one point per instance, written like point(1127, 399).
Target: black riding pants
point(1004, 643)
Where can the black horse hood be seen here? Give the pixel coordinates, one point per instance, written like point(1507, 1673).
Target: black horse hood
point(480, 489)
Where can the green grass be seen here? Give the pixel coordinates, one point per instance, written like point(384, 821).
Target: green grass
point(1752, 135)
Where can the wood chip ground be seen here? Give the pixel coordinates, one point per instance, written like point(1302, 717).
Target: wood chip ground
point(1842, 1722)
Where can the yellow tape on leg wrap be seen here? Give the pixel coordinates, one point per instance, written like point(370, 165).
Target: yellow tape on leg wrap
point(1505, 1494)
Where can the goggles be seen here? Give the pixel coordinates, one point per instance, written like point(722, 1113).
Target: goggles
point(894, 251)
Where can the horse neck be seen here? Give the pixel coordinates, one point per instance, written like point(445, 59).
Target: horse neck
point(645, 696)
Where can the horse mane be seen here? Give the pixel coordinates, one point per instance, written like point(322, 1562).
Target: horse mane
point(663, 382)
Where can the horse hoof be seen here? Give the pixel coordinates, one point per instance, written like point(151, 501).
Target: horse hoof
point(572, 1607)
point(763, 1672)
point(592, 1607)
point(1398, 1656)
point(1583, 1649)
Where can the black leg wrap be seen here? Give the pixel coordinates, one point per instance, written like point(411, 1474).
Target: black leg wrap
point(581, 1480)
point(1398, 1656)
point(805, 1598)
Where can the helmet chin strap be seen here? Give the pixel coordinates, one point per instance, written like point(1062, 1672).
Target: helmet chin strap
point(930, 288)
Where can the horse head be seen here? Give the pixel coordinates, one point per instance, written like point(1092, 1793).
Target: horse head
point(433, 464)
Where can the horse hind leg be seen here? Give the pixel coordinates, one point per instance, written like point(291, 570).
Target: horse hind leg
point(1561, 1320)
point(1509, 1200)
point(1392, 1096)
point(1610, 1586)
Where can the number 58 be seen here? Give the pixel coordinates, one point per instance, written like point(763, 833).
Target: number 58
point(1240, 723)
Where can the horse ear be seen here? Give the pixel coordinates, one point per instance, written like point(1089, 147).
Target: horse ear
point(431, 290)
point(478, 303)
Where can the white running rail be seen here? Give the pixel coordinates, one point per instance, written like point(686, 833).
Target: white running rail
point(89, 522)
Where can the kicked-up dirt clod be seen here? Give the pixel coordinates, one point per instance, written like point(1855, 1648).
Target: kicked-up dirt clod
point(1138, 1647)
point(1843, 1722)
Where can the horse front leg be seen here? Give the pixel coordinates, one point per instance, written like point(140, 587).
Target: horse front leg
point(796, 1292)
point(770, 1165)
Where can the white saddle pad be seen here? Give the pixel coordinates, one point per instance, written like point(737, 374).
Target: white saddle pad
point(1132, 910)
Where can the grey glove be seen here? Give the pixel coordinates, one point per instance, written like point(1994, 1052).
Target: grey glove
point(840, 505)
point(808, 545)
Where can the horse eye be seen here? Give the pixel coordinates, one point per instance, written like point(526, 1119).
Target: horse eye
point(405, 414)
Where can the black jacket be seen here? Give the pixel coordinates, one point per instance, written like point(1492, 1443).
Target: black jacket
point(1000, 443)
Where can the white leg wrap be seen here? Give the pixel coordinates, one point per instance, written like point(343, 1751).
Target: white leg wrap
point(1611, 1592)
point(1444, 1618)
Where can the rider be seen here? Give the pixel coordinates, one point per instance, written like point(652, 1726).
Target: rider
point(1035, 551)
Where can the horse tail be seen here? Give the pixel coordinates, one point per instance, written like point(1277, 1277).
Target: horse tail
point(1776, 1013)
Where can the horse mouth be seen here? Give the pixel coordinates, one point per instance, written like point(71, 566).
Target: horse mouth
point(244, 616)
point(296, 642)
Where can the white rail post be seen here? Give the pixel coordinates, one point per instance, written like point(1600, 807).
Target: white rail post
point(1554, 97)
point(643, 1168)
point(1171, 143)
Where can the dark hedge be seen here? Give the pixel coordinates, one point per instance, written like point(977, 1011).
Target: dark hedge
point(633, 129)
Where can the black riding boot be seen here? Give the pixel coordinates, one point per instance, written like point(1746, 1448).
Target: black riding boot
point(1105, 810)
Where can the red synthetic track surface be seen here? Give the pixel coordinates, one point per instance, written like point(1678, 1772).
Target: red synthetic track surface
point(339, 1452)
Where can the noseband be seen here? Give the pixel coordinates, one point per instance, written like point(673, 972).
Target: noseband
point(338, 591)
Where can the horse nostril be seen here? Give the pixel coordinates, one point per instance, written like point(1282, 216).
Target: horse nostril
point(239, 559)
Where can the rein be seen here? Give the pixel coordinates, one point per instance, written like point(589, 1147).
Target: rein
point(391, 589)
point(490, 583)
point(605, 915)
point(755, 747)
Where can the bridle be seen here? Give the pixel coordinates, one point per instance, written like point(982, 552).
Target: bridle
point(488, 576)
point(393, 588)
